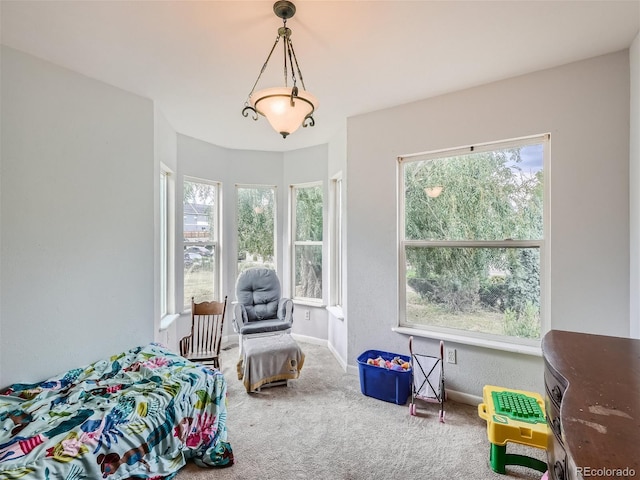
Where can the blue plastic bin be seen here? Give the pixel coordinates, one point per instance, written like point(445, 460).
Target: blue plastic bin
point(389, 385)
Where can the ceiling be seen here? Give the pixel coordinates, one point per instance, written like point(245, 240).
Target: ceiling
point(199, 59)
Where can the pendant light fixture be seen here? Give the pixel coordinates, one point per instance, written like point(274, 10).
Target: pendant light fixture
point(286, 107)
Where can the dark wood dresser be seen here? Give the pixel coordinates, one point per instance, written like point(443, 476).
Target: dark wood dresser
point(592, 402)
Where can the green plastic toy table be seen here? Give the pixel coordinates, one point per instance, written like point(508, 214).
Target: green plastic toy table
point(513, 416)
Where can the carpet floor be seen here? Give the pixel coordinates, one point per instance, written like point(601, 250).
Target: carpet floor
point(322, 427)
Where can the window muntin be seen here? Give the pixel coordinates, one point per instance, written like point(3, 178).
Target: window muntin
point(201, 231)
point(307, 224)
point(256, 215)
point(471, 236)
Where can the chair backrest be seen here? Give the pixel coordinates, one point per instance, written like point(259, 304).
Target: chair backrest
point(258, 289)
point(207, 320)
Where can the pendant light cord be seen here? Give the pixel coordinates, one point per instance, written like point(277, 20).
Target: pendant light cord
point(263, 69)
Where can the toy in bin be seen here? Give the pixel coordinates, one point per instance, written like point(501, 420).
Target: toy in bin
point(398, 364)
point(428, 379)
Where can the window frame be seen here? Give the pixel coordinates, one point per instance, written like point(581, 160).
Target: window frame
point(502, 342)
point(167, 241)
point(337, 242)
point(215, 242)
point(295, 243)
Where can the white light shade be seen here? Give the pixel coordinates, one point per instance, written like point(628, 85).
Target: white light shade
point(275, 104)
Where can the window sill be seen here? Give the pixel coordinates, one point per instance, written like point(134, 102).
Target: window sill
point(336, 311)
point(167, 320)
point(534, 350)
point(308, 303)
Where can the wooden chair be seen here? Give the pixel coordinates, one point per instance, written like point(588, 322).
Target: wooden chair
point(203, 344)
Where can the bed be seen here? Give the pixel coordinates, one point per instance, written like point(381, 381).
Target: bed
point(140, 414)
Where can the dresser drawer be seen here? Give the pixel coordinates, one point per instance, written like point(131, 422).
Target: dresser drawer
point(557, 460)
point(555, 385)
point(553, 418)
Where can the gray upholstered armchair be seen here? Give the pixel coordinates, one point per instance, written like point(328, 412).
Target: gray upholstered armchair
point(259, 308)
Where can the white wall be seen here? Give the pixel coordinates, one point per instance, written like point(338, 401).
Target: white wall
point(1, 170)
point(166, 153)
point(77, 219)
point(634, 186)
point(165, 141)
point(585, 107)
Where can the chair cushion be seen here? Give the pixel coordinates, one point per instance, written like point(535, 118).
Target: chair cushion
point(258, 289)
point(263, 326)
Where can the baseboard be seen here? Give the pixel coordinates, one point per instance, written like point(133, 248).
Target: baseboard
point(462, 397)
point(322, 343)
point(337, 356)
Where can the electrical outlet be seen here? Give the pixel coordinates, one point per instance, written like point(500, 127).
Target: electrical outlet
point(451, 355)
point(307, 315)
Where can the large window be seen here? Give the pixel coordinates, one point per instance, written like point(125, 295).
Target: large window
point(256, 226)
point(306, 223)
point(201, 232)
point(471, 240)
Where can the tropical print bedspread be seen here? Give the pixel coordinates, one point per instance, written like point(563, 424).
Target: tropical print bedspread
point(140, 414)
